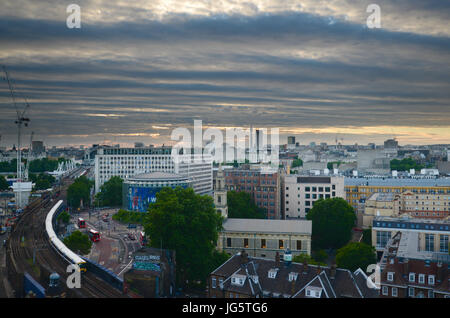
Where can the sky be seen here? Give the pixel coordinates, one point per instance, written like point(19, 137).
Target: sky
point(136, 70)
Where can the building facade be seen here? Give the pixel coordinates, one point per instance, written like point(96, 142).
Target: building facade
point(408, 272)
point(128, 162)
point(262, 183)
point(360, 189)
point(432, 235)
point(265, 238)
point(140, 190)
point(300, 192)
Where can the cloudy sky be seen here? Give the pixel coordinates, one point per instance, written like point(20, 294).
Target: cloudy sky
point(136, 70)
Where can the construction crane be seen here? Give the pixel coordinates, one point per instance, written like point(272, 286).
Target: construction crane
point(29, 158)
point(21, 120)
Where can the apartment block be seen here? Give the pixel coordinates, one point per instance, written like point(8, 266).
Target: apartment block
point(432, 235)
point(261, 182)
point(407, 271)
point(300, 192)
point(127, 162)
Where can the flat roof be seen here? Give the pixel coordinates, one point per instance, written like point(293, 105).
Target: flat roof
point(397, 182)
point(268, 226)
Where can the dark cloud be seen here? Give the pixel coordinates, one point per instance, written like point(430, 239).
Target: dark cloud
point(285, 69)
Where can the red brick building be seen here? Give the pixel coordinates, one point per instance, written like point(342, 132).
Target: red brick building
point(261, 183)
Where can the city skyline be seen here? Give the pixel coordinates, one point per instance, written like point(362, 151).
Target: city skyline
point(316, 71)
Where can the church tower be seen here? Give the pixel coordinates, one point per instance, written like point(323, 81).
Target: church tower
point(220, 193)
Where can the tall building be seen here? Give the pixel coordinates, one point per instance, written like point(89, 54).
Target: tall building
point(391, 144)
point(300, 192)
point(220, 194)
point(127, 162)
point(37, 147)
point(262, 183)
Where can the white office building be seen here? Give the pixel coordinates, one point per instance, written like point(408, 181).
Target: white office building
point(127, 162)
point(300, 192)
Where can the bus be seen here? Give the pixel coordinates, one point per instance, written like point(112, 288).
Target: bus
point(142, 238)
point(81, 223)
point(94, 235)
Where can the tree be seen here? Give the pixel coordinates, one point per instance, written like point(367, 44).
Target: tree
point(42, 181)
point(297, 163)
point(64, 217)
point(367, 236)
point(110, 192)
point(308, 259)
point(78, 242)
point(405, 164)
point(79, 191)
point(241, 206)
point(332, 222)
point(124, 216)
point(3, 184)
point(355, 255)
point(188, 223)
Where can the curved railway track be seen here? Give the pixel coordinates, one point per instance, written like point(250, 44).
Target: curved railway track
point(28, 241)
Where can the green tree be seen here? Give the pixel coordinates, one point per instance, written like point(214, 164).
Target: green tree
point(124, 216)
point(3, 184)
point(330, 164)
point(355, 255)
point(332, 223)
point(241, 206)
point(305, 257)
point(297, 163)
point(64, 217)
point(188, 223)
point(79, 191)
point(78, 242)
point(405, 164)
point(110, 193)
point(367, 236)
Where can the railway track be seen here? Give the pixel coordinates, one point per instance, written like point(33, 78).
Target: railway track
point(28, 242)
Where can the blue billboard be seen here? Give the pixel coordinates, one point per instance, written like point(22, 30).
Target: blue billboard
point(140, 197)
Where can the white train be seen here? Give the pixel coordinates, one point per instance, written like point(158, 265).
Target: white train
point(56, 242)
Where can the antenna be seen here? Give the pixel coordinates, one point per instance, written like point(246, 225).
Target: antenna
point(21, 119)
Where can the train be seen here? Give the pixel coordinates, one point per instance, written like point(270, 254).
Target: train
point(56, 243)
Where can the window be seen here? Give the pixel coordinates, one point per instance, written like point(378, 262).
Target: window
point(246, 242)
point(430, 294)
point(394, 291)
point(429, 242)
point(385, 290)
point(390, 276)
point(421, 279)
point(411, 292)
point(228, 242)
point(272, 273)
point(430, 279)
point(443, 244)
point(213, 283)
point(263, 243)
point(299, 245)
point(280, 244)
point(382, 238)
point(412, 277)
point(221, 283)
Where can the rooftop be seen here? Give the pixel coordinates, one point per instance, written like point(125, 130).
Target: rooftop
point(155, 176)
point(398, 182)
point(267, 226)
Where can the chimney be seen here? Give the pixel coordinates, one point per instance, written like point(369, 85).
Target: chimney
point(440, 272)
point(277, 259)
point(319, 269)
point(305, 266)
point(406, 267)
point(333, 271)
point(244, 257)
